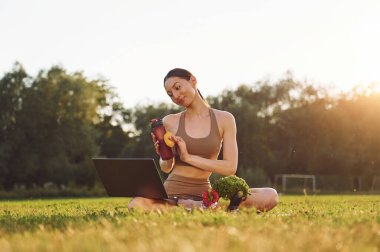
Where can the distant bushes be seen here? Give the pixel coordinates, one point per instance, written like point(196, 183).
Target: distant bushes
point(53, 191)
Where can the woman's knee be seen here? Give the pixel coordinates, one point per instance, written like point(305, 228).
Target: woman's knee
point(272, 198)
point(138, 202)
point(263, 199)
point(269, 200)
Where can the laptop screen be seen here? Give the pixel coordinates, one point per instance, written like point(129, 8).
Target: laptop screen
point(130, 177)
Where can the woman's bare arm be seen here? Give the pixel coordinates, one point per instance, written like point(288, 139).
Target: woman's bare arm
point(167, 165)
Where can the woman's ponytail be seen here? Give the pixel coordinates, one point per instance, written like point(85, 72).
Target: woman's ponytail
point(199, 92)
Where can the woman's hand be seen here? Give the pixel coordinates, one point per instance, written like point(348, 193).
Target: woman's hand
point(182, 150)
point(156, 143)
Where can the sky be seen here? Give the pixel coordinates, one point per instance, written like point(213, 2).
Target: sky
point(133, 44)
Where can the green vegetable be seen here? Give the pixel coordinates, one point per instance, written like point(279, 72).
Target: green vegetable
point(228, 186)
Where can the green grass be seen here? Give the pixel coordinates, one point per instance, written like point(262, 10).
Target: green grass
point(298, 223)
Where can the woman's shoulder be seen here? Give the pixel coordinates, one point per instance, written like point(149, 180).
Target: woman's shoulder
point(171, 117)
point(225, 120)
point(171, 121)
point(222, 115)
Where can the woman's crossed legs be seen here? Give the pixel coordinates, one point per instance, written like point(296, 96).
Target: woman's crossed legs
point(263, 199)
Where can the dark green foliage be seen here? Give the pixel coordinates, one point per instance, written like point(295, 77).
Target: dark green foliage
point(228, 186)
point(52, 124)
point(141, 144)
point(50, 127)
point(292, 127)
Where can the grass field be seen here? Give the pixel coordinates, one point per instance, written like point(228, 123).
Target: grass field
point(298, 223)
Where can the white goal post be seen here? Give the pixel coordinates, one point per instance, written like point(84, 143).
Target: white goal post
point(285, 177)
point(375, 183)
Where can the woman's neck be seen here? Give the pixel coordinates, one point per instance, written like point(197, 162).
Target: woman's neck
point(198, 108)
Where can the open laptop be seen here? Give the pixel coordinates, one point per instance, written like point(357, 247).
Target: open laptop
point(130, 177)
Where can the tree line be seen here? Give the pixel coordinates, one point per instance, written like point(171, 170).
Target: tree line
point(52, 124)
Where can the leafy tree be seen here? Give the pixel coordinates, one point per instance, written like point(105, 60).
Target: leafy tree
point(12, 87)
point(113, 137)
point(141, 145)
point(54, 132)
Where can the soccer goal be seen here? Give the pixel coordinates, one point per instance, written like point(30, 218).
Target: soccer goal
point(284, 178)
point(375, 184)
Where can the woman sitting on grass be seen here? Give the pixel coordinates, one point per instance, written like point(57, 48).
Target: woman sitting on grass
point(199, 134)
